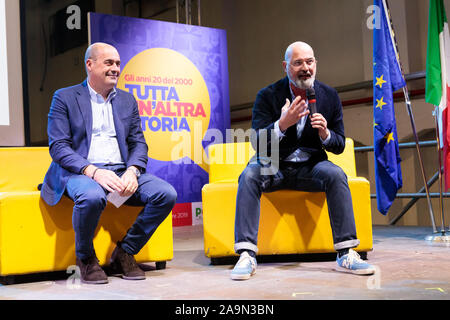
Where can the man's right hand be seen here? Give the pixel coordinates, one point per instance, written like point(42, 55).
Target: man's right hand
point(106, 178)
point(291, 113)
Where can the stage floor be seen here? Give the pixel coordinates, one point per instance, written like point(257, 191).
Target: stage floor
point(408, 267)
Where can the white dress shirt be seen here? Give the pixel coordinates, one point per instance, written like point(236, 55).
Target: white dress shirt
point(104, 147)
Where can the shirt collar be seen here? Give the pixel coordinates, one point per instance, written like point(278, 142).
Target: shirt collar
point(97, 97)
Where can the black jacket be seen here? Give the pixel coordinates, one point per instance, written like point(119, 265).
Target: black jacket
point(267, 110)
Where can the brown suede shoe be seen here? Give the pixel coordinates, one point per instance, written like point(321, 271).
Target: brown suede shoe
point(124, 263)
point(91, 272)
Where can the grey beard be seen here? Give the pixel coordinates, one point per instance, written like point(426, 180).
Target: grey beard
point(304, 84)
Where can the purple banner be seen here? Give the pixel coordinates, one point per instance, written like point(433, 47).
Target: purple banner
point(179, 76)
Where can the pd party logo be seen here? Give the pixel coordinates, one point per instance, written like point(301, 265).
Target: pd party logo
point(173, 102)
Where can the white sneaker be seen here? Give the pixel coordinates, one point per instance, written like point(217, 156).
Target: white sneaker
point(244, 268)
point(352, 263)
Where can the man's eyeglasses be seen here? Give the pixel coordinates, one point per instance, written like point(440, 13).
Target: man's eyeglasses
point(299, 63)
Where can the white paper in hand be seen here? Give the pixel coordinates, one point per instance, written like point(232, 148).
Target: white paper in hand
point(116, 199)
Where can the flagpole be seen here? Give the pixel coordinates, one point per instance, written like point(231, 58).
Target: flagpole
point(441, 201)
point(419, 154)
point(442, 237)
point(411, 117)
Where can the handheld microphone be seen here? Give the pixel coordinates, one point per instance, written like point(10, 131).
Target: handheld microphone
point(311, 95)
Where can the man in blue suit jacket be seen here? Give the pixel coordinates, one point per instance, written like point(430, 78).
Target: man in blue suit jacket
point(296, 139)
point(97, 147)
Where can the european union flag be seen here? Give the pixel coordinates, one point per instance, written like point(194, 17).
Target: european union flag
point(388, 78)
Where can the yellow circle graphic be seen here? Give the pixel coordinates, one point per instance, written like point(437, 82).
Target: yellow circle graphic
point(173, 102)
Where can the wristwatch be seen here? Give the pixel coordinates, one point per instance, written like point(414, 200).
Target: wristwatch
point(135, 171)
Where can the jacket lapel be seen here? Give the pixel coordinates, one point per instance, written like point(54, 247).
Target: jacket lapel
point(84, 103)
point(318, 92)
point(118, 125)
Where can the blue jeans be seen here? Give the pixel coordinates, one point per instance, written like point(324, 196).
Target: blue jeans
point(323, 176)
point(155, 195)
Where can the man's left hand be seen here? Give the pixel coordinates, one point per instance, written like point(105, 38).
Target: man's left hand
point(320, 123)
point(130, 181)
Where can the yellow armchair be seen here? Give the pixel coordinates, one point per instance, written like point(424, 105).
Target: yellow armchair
point(291, 222)
point(36, 237)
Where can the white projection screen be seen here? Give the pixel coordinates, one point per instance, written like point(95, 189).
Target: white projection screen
point(4, 101)
point(11, 94)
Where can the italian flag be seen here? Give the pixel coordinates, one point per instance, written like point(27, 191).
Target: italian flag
point(437, 91)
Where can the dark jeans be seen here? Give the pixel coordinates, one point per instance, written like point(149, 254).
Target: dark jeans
point(155, 195)
point(323, 176)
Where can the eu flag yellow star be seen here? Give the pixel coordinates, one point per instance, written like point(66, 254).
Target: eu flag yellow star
point(380, 103)
point(389, 137)
point(380, 81)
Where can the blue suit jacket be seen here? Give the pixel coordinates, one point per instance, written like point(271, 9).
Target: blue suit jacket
point(267, 110)
point(69, 133)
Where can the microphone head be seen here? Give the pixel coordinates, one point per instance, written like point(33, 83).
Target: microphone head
point(310, 93)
